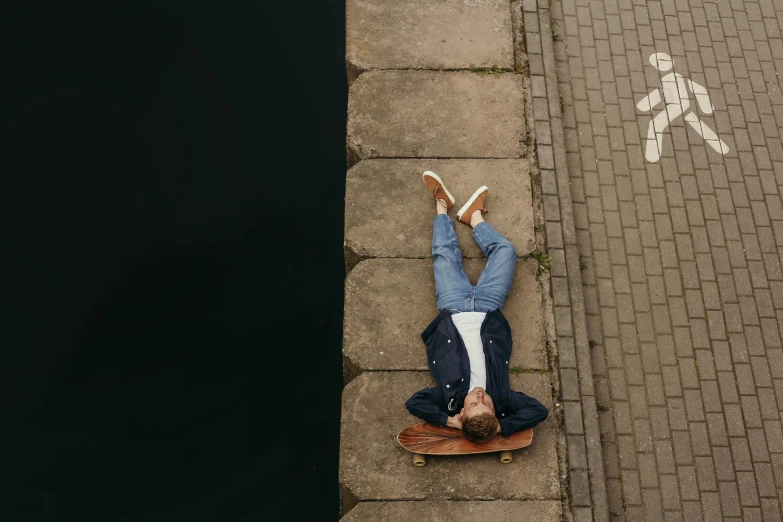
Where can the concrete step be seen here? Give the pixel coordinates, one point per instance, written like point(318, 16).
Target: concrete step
point(389, 302)
point(411, 34)
point(462, 511)
point(389, 212)
point(374, 467)
point(429, 114)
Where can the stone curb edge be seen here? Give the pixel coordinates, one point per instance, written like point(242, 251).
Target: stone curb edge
point(580, 410)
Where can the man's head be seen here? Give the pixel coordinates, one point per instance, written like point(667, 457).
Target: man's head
point(479, 423)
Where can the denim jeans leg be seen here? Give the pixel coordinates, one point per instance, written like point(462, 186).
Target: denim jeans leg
point(495, 281)
point(452, 287)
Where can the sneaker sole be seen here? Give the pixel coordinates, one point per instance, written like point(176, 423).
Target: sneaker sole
point(475, 195)
point(437, 178)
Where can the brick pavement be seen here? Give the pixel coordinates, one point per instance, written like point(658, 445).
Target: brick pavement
point(682, 279)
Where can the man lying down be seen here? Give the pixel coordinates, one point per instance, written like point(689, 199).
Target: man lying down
point(469, 342)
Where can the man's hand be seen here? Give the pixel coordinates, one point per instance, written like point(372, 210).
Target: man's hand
point(454, 422)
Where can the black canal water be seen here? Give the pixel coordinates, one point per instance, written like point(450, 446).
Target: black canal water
point(172, 214)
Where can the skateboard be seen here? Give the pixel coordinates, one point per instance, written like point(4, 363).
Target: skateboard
point(425, 439)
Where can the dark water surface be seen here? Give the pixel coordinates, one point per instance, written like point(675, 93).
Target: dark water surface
point(172, 213)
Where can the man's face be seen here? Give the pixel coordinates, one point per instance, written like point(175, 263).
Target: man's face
point(477, 401)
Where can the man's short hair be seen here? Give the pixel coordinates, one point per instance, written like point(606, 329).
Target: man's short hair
point(480, 428)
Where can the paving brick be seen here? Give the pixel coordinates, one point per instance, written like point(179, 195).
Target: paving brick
point(638, 401)
point(745, 383)
point(761, 371)
point(631, 487)
point(664, 455)
point(580, 488)
point(711, 397)
point(724, 467)
point(648, 474)
point(758, 445)
point(660, 423)
point(729, 499)
point(717, 429)
point(671, 379)
point(677, 418)
point(573, 417)
point(768, 404)
point(705, 471)
point(740, 450)
point(655, 391)
point(774, 436)
point(615, 496)
point(670, 492)
point(710, 503)
point(689, 489)
point(770, 510)
point(706, 364)
point(691, 511)
point(751, 411)
point(728, 387)
point(734, 422)
point(688, 374)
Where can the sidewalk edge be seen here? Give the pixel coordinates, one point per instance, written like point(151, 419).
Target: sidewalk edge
point(586, 471)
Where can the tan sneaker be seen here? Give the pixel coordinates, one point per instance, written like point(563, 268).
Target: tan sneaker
point(438, 189)
point(476, 202)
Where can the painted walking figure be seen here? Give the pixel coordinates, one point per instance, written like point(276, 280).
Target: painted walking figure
point(677, 101)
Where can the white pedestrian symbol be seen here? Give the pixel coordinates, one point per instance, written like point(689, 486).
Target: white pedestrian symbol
point(676, 99)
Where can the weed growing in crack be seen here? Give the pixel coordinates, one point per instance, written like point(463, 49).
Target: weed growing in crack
point(497, 71)
point(544, 261)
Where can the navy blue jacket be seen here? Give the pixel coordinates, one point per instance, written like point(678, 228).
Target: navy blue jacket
point(448, 361)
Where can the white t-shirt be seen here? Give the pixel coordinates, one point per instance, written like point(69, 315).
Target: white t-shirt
point(469, 326)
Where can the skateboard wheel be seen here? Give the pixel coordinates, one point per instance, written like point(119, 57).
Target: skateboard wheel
point(419, 460)
point(505, 457)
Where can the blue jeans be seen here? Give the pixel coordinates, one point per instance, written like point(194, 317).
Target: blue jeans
point(452, 287)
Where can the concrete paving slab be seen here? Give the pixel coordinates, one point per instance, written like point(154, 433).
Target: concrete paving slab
point(440, 34)
point(373, 466)
point(428, 114)
point(464, 511)
point(389, 302)
point(389, 212)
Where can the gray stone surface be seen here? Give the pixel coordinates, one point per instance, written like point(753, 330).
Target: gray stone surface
point(439, 34)
point(373, 466)
point(389, 302)
point(429, 114)
point(389, 212)
point(446, 511)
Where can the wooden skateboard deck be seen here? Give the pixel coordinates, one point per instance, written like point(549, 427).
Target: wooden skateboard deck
point(426, 439)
